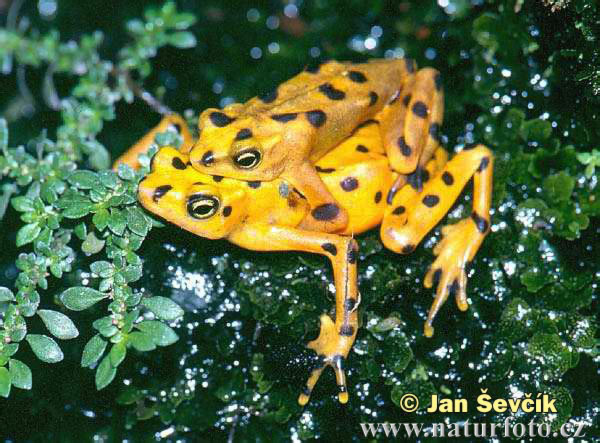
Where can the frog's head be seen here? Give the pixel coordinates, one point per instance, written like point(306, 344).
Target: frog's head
point(190, 199)
point(243, 147)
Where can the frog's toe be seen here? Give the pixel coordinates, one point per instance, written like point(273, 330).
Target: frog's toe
point(310, 384)
point(340, 377)
point(448, 281)
point(332, 346)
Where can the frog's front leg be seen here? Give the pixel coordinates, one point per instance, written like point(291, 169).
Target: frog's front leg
point(336, 337)
point(169, 122)
point(409, 220)
point(326, 214)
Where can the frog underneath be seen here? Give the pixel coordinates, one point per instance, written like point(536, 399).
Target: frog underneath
point(268, 216)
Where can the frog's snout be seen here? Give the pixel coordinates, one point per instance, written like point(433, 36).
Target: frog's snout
point(148, 194)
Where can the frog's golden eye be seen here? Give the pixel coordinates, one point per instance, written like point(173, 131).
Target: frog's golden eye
point(202, 206)
point(247, 159)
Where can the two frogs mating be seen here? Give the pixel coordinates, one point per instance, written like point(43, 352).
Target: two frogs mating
point(330, 153)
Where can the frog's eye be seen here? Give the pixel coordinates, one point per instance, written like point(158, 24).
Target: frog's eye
point(202, 206)
point(247, 159)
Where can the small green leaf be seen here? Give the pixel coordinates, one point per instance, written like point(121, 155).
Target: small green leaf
point(22, 204)
point(129, 396)
point(100, 218)
point(183, 40)
point(84, 179)
point(132, 273)
point(11, 349)
point(117, 222)
point(589, 170)
point(108, 178)
point(77, 210)
point(125, 172)
point(93, 351)
point(27, 234)
point(105, 284)
point(58, 324)
point(100, 158)
point(137, 222)
point(161, 333)
point(105, 326)
point(387, 324)
point(4, 382)
point(80, 297)
point(105, 373)
point(6, 294)
point(92, 244)
point(583, 157)
point(534, 279)
point(141, 342)
point(20, 374)
point(163, 307)
point(552, 354)
point(117, 353)
point(536, 130)
point(81, 231)
point(45, 348)
point(559, 187)
point(184, 20)
point(102, 268)
point(129, 319)
point(72, 197)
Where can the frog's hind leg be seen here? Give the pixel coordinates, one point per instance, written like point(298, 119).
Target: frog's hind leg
point(410, 218)
point(410, 126)
point(407, 196)
point(170, 122)
point(433, 166)
point(335, 337)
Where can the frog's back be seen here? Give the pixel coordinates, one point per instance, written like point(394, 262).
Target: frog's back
point(334, 99)
point(306, 88)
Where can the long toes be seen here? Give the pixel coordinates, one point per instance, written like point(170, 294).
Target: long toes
point(337, 363)
point(304, 396)
point(340, 376)
point(432, 278)
point(461, 294)
point(428, 329)
point(442, 289)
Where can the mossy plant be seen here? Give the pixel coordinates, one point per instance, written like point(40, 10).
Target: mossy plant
point(61, 204)
point(84, 263)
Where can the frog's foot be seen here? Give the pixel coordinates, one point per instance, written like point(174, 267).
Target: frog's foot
point(332, 346)
point(458, 246)
point(326, 214)
point(172, 122)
